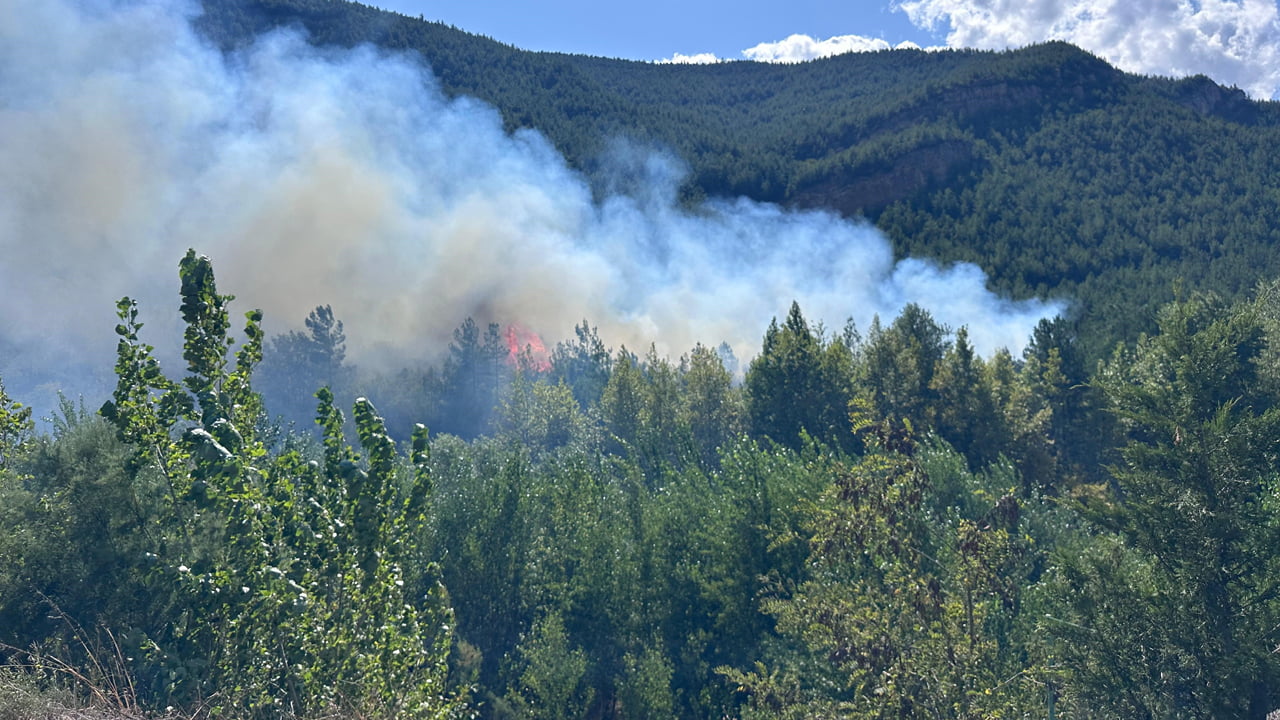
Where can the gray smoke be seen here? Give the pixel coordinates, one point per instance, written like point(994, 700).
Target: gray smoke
point(346, 177)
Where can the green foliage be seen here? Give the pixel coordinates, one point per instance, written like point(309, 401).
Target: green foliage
point(583, 364)
point(966, 412)
point(610, 545)
point(644, 413)
point(651, 583)
point(1191, 575)
point(911, 615)
point(296, 364)
point(622, 403)
point(472, 378)
point(646, 683)
point(900, 363)
point(714, 412)
point(15, 428)
point(800, 382)
point(285, 575)
point(74, 530)
point(553, 681)
point(540, 416)
point(619, 547)
point(1025, 419)
point(145, 403)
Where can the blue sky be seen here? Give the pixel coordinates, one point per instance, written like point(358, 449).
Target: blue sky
point(656, 29)
point(1236, 42)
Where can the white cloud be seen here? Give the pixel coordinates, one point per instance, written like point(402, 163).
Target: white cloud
point(696, 59)
point(798, 48)
point(1235, 42)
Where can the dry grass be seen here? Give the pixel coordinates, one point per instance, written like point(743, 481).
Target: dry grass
point(39, 684)
point(24, 695)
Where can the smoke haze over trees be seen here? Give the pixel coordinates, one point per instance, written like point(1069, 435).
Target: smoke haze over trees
point(346, 178)
point(1049, 169)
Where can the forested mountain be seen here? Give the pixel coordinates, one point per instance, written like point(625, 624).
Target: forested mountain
point(873, 523)
point(1054, 172)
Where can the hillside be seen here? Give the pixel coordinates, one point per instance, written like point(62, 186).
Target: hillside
point(1054, 172)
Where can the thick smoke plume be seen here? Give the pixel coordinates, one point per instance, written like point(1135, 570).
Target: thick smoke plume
point(346, 177)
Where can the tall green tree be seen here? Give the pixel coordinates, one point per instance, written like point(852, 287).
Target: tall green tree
point(1025, 418)
point(283, 580)
point(800, 382)
point(713, 407)
point(296, 364)
point(472, 379)
point(1175, 615)
point(665, 438)
point(901, 614)
point(966, 411)
point(583, 364)
point(899, 363)
point(622, 404)
point(539, 415)
point(1079, 430)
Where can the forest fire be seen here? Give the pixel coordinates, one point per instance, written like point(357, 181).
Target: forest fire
point(527, 351)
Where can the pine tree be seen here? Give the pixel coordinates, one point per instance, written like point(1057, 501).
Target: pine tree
point(1174, 616)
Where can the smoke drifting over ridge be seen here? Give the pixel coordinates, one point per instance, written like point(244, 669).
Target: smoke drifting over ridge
point(346, 177)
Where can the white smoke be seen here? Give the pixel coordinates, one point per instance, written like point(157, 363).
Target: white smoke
point(346, 177)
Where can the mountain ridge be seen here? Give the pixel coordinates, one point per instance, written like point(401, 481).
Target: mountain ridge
point(924, 144)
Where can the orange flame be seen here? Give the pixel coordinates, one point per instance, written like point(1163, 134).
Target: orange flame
point(526, 349)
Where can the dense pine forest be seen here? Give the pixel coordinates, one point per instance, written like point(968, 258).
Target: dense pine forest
point(869, 521)
point(878, 525)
